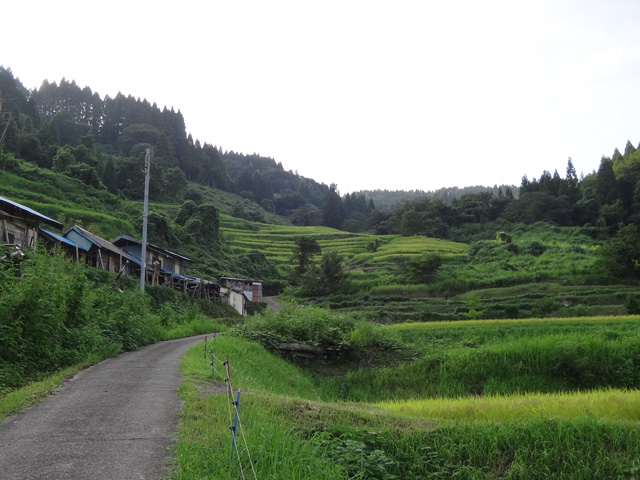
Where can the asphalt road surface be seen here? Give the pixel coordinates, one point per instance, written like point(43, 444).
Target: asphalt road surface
point(115, 420)
point(271, 303)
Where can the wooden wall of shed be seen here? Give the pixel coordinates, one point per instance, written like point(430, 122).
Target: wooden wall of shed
point(17, 231)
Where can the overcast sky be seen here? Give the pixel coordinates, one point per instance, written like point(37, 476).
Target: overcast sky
point(365, 94)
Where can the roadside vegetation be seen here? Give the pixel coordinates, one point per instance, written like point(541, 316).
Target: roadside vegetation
point(506, 399)
point(55, 314)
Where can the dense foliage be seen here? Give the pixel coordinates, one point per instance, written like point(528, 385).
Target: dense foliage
point(599, 203)
point(338, 337)
point(54, 314)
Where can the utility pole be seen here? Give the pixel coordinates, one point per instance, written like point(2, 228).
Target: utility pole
point(143, 254)
point(7, 125)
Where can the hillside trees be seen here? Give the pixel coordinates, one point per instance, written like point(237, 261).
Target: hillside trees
point(619, 256)
point(37, 123)
point(599, 202)
point(327, 278)
point(304, 251)
point(107, 137)
point(62, 114)
point(334, 211)
point(302, 200)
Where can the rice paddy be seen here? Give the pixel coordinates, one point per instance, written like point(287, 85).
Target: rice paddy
point(529, 419)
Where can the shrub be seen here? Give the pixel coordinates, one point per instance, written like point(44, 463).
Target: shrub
point(534, 248)
point(340, 335)
point(423, 269)
point(58, 314)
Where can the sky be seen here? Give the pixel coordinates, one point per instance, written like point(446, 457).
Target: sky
point(396, 95)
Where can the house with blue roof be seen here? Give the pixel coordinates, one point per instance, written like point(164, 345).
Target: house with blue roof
point(72, 249)
point(101, 253)
point(167, 268)
point(157, 257)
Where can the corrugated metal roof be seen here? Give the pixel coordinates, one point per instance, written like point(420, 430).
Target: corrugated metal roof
point(127, 238)
point(31, 212)
point(100, 242)
point(61, 239)
point(234, 279)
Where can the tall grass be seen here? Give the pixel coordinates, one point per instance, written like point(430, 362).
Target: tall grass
point(52, 315)
point(253, 368)
point(530, 437)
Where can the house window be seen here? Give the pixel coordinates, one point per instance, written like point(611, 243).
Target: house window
point(169, 264)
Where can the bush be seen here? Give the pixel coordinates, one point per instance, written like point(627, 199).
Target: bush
point(341, 336)
point(423, 269)
point(58, 314)
point(534, 248)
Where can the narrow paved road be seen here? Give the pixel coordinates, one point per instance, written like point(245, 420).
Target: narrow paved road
point(114, 420)
point(271, 303)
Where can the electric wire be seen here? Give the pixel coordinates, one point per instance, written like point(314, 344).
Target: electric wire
point(246, 446)
point(223, 364)
point(230, 401)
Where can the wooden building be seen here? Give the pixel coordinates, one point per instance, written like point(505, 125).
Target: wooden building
point(252, 289)
point(158, 257)
point(19, 225)
point(101, 253)
point(72, 249)
point(166, 268)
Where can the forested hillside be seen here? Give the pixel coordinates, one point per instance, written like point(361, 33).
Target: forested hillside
point(101, 141)
point(389, 200)
point(599, 203)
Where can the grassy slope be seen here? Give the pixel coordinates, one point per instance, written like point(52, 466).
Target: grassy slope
point(291, 432)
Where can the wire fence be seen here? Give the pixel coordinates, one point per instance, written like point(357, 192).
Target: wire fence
point(221, 371)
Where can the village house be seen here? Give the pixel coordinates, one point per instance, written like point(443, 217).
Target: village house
point(252, 289)
point(19, 229)
point(157, 257)
point(72, 249)
point(101, 253)
point(19, 225)
point(237, 291)
point(166, 268)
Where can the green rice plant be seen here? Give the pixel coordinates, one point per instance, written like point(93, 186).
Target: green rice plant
point(523, 322)
point(535, 449)
point(500, 359)
point(602, 405)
